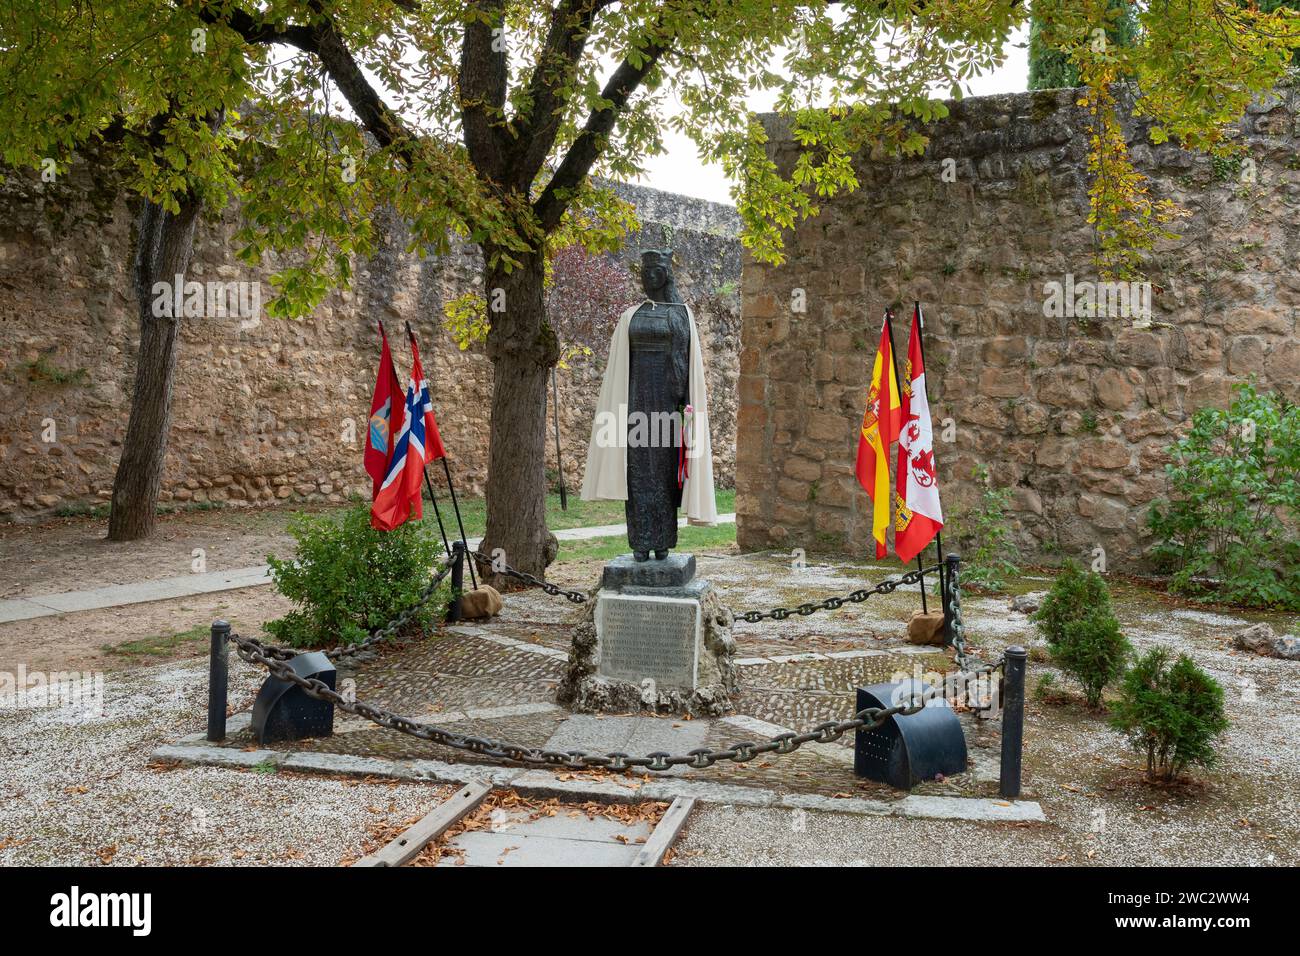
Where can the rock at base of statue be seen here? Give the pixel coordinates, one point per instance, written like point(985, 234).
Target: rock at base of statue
point(926, 628)
point(654, 639)
point(483, 602)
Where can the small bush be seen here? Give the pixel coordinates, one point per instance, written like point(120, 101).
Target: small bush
point(349, 579)
point(1226, 529)
point(988, 555)
point(1082, 632)
point(1170, 712)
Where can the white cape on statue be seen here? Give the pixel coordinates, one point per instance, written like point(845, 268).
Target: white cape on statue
point(606, 474)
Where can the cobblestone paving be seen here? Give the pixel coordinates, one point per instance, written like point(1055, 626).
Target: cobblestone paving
point(472, 667)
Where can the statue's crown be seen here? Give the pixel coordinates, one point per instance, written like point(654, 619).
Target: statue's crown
point(651, 257)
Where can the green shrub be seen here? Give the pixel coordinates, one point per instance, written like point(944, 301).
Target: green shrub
point(349, 579)
point(988, 555)
point(1082, 631)
point(1170, 712)
point(1227, 528)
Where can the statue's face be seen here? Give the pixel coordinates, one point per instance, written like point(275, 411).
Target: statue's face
point(655, 276)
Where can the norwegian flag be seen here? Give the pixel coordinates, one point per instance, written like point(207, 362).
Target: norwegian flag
point(919, 516)
point(399, 493)
point(433, 449)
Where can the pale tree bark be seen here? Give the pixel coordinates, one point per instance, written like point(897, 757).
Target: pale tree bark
point(164, 245)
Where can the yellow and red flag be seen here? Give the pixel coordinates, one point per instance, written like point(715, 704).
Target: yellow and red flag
point(880, 424)
point(919, 515)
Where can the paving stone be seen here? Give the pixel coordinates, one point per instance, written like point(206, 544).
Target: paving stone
point(562, 784)
point(511, 849)
point(569, 824)
point(965, 808)
point(637, 736)
point(813, 801)
point(22, 609)
point(339, 763)
point(218, 756)
point(669, 788)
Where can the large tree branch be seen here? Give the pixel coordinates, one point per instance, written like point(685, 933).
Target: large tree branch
point(322, 40)
point(554, 200)
point(483, 79)
point(533, 130)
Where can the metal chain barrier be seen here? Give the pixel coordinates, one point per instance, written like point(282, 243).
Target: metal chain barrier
point(281, 653)
point(957, 627)
point(834, 603)
point(577, 597)
point(254, 652)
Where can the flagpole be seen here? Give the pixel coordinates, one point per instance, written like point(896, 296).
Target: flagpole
point(559, 462)
point(456, 507)
point(452, 488)
point(920, 340)
point(889, 324)
point(437, 514)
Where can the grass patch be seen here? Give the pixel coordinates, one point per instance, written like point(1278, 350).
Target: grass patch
point(160, 645)
point(580, 514)
point(688, 539)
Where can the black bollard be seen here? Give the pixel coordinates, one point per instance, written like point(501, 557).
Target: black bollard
point(457, 580)
point(218, 685)
point(1013, 720)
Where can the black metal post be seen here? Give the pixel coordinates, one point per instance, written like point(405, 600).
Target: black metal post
point(461, 524)
point(1013, 720)
point(952, 567)
point(438, 514)
point(218, 684)
point(457, 580)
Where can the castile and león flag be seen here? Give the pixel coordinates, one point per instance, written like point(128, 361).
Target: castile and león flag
point(919, 516)
point(898, 409)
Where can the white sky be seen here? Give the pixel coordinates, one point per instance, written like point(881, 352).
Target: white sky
point(680, 170)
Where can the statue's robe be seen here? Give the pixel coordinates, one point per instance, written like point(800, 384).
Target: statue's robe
point(606, 476)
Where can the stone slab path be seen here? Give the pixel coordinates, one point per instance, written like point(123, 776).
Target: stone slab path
point(166, 589)
point(561, 840)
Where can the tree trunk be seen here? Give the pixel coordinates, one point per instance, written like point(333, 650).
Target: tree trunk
point(523, 349)
point(164, 244)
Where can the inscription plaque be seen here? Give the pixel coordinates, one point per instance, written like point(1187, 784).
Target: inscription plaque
point(642, 636)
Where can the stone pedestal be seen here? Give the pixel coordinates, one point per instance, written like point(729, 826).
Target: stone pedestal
point(655, 638)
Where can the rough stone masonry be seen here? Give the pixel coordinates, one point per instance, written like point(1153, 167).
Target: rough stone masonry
point(1072, 415)
point(267, 409)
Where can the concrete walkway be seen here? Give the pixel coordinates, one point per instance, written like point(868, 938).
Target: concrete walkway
point(566, 839)
point(166, 589)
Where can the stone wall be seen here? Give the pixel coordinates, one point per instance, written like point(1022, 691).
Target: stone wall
point(1072, 415)
point(267, 409)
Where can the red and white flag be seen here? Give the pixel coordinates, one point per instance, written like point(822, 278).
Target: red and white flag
point(918, 516)
point(387, 414)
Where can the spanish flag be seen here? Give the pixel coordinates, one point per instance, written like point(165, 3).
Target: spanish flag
point(880, 424)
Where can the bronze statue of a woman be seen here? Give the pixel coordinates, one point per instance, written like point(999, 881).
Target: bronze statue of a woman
point(659, 342)
point(650, 441)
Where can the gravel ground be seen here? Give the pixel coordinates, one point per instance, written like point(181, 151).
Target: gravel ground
point(79, 790)
point(1100, 810)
